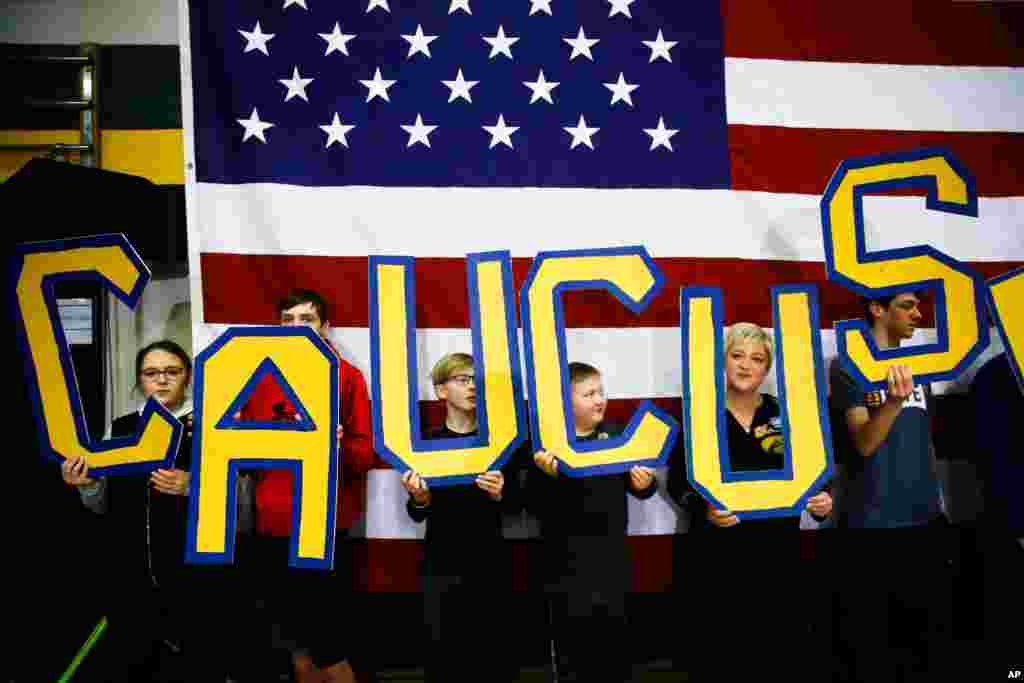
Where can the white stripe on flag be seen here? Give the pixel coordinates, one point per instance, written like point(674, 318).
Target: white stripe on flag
point(637, 362)
point(771, 92)
point(351, 221)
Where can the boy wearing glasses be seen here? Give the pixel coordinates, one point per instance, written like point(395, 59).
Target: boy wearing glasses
point(465, 559)
point(584, 523)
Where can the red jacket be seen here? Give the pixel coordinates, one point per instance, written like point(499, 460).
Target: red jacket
point(274, 487)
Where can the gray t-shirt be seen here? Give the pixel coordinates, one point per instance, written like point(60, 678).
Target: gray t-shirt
point(897, 485)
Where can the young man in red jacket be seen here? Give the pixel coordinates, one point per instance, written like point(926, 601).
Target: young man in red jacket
point(310, 601)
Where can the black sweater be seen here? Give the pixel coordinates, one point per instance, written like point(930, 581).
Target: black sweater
point(148, 527)
point(464, 524)
point(762, 448)
point(584, 521)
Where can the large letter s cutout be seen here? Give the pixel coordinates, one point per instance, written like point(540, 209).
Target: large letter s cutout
point(958, 289)
point(50, 374)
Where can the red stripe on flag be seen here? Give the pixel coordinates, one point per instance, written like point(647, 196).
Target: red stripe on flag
point(760, 156)
point(244, 289)
point(943, 33)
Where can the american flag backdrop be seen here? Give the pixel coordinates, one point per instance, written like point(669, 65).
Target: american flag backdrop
point(319, 132)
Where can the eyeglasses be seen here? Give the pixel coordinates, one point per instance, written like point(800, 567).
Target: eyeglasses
point(463, 380)
point(151, 374)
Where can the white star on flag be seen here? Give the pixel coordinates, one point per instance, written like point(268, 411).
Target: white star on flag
point(256, 39)
point(300, 3)
point(419, 42)
point(418, 132)
point(336, 40)
point(296, 86)
point(500, 43)
point(540, 6)
point(378, 87)
point(460, 87)
point(336, 131)
point(621, 90)
point(660, 47)
point(254, 127)
point(620, 7)
point(661, 136)
point(501, 133)
point(459, 5)
point(581, 134)
point(581, 45)
point(383, 4)
point(541, 88)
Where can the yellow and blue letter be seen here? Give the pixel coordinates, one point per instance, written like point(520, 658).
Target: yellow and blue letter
point(50, 372)
point(226, 374)
point(631, 275)
point(802, 398)
point(1008, 316)
point(958, 290)
point(396, 418)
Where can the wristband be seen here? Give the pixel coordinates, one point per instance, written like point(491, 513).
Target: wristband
point(90, 489)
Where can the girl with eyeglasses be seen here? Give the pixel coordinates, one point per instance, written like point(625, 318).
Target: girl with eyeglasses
point(154, 603)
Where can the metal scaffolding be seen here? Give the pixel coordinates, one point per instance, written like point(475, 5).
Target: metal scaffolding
point(87, 61)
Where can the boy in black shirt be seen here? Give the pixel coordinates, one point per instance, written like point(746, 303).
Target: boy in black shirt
point(465, 566)
point(584, 523)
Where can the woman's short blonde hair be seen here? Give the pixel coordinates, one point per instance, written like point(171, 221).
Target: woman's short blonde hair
point(749, 332)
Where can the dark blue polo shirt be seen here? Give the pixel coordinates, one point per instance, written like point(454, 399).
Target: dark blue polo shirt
point(897, 485)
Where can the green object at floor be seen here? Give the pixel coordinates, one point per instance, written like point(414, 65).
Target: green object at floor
point(101, 627)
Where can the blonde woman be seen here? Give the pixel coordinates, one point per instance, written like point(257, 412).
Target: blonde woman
point(757, 588)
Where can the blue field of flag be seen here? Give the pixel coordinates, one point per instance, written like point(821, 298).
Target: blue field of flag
point(460, 101)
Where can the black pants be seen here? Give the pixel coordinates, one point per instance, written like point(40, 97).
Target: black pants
point(311, 606)
point(183, 630)
point(895, 601)
point(129, 647)
point(747, 602)
point(467, 634)
point(1003, 558)
point(591, 634)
